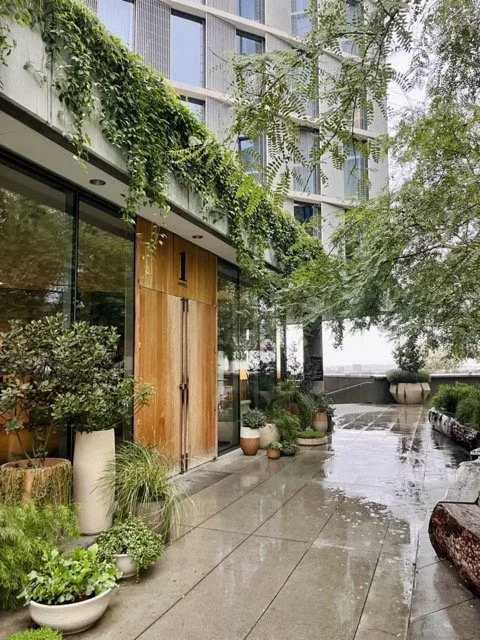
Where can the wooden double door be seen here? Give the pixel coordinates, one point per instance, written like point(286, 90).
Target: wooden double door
point(176, 351)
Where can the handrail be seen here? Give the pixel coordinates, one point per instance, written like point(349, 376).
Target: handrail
point(353, 386)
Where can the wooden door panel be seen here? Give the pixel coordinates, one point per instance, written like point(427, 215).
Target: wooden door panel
point(201, 344)
point(159, 348)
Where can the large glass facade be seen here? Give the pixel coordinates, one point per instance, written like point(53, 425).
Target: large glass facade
point(249, 356)
point(117, 16)
point(187, 49)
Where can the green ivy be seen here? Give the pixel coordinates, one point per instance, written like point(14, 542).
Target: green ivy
point(99, 77)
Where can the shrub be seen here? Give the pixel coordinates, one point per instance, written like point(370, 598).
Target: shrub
point(65, 579)
point(322, 402)
point(310, 434)
point(287, 425)
point(134, 538)
point(138, 476)
point(289, 397)
point(468, 409)
point(26, 533)
point(289, 448)
point(448, 396)
point(254, 419)
point(36, 634)
point(397, 376)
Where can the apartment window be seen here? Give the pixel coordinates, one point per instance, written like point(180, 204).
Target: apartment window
point(251, 9)
point(305, 176)
point(248, 44)
point(251, 155)
point(360, 120)
point(354, 17)
point(117, 16)
point(187, 49)
point(301, 20)
point(303, 211)
point(355, 173)
point(197, 107)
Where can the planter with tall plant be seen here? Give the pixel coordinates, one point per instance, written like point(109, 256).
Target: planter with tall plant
point(323, 412)
point(289, 397)
point(408, 383)
point(32, 375)
point(138, 484)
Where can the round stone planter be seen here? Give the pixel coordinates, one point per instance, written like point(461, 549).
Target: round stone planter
point(410, 392)
point(268, 434)
point(273, 454)
point(311, 442)
point(52, 480)
point(93, 452)
point(70, 618)
point(249, 441)
point(126, 564)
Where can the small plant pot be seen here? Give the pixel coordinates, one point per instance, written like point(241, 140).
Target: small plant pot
point(70, 618)
point(249, 441)
point(273, 454)
point(52, 481)
point(127, 565)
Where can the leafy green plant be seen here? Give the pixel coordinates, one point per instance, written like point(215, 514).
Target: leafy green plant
point(397, 376)
point(74, 577)
point(134, 538)
point(322, 402)
point(310, 434)
point(286, 423)
point(409, 356)
point(468, 409)
point(276, 446)
point(448, 396)
point(254, 419)
point(289, 397)
point(138, 478)
point(36, 634)
point(26, 533)
point(289, 448)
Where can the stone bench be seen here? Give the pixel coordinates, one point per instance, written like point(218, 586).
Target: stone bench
point(467, 437)
point(454, 526)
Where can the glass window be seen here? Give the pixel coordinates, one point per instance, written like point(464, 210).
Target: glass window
point(197, 107)
point(106, 275)
point(305, 176)
point(251, 9)
point(354, 16)
point(355, 173)
point(303, 211)
point(36, 246)
point(117, 16)
point(251, 155)
point(360, 118)
point(187, 49)
point(301, 20)
point(248, 44)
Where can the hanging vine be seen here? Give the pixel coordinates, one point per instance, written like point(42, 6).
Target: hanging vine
point(98, 78)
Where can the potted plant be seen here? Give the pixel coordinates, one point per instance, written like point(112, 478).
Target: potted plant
point(323, 412)
point(289, 448)
point(132, 545)
point(408, 383)
point(70, 593)
point(252, 421)
point(138, 484)
point(36, 634)
point(273, 450)
point(99, 399)
point(311, 438)
point(31, 370)
point(289, 397)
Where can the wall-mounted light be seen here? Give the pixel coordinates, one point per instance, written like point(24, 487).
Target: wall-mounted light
point(197, 237)
point(97, 182)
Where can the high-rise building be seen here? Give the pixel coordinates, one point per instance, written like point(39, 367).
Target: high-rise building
point(182, 313)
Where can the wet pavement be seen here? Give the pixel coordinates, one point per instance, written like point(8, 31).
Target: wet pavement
point(329, 545)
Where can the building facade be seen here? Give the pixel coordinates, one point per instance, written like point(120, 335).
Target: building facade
point(187, 321)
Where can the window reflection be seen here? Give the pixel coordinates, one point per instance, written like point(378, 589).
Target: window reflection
point(301, 20)
point(187, 49)
point(356, 173)
point(197, 107)
point(36, 240)
point(251, 9)
point(248, 44)
point(117, 16)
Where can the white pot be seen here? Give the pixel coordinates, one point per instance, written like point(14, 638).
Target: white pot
point(410, 392)
point(93, 451)
point(126, 564)
point(246, 432)
point(268, 434)
point(70, 618)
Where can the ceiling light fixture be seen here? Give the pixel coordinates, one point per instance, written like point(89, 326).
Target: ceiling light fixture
point(97, 182)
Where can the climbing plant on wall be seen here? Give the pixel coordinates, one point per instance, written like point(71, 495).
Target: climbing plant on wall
point(97, 77)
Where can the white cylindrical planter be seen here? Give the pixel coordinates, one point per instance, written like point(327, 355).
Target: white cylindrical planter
point(93, 451)
point(268, 434)
point(126, 564)
point(249, 441)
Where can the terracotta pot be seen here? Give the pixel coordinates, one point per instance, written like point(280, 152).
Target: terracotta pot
point(320, 421)
point(273, 454)
point(249, 441)
point(11, 448)
point(410, 392)
point(52, 482)
point(93, 451)
point(70, 618)
point(268, 434)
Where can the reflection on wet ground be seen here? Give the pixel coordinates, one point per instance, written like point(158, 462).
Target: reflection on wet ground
point(330, 545)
